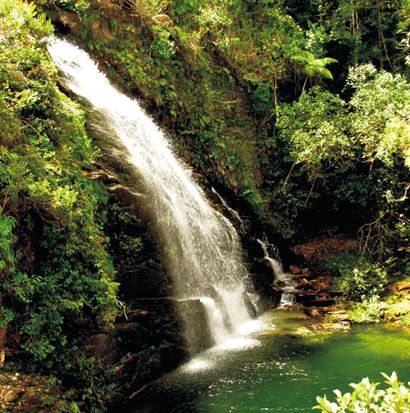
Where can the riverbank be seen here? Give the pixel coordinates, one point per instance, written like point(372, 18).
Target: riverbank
point(335, 311)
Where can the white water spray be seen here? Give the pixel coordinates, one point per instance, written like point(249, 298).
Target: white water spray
point(201, 247)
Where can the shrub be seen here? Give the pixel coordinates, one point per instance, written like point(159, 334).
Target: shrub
point(356, 277)
point(366, 397)
point(369, 311)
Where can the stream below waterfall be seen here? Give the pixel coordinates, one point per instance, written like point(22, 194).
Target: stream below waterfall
point(279, 370)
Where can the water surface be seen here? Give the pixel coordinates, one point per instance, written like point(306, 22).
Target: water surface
point(278, 370)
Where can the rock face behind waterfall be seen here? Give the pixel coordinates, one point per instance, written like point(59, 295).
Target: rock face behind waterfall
point(147, 339)
point(191, 292)
point(200, 248)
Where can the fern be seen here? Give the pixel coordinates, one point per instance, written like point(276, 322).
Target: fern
point(313, 66)
point(7, 240)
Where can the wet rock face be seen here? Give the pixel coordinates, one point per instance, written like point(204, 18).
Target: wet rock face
point(314, 290)
point(135, 252)
point(147, 340)
point(151, 343)
point(197, 326)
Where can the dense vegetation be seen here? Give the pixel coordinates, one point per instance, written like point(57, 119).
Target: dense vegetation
point(54, 265)
point(298, 110)
point(367, 397)
point(262, 69)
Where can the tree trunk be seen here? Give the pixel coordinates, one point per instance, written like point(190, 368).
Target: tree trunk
point(289, 173)
point(304, 84)
point(380, 37)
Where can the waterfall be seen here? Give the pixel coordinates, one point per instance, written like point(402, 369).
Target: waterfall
point(201, 248)
point(288, 289)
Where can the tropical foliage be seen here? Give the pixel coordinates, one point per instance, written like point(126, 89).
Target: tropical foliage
point(366, 397)
point(54, 267)
point(298, 110)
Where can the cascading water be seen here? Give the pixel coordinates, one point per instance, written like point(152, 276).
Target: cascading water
point(202, 249)
point(288, 289)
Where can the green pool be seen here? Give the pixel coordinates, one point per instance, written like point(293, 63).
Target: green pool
point(278, 369)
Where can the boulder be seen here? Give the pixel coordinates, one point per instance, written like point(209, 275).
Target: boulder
point(400, 286)
point(104, 347)
point(163, 20)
